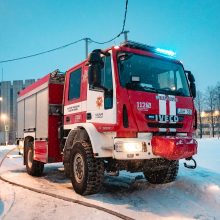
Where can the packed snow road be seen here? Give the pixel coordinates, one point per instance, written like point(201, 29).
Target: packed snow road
point(194, 195)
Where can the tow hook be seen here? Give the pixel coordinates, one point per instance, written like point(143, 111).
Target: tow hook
point(190, 166)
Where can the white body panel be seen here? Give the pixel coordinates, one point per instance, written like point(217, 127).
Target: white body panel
point(33, 112)
point(95, 104)
point(142, 137)
point(30, 112)
point(98, 113)
point(102, 143)
point(43, 86)
point(42, 114)
point(20, 122)
point(75, 108)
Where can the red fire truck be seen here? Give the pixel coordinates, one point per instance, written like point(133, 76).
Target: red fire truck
point(129, 107)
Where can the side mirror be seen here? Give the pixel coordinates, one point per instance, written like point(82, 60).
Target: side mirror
point(192, 84)
point(95, 57)
point(95, 71)
point(193, 89)
point(95, 68)
point(191, 78)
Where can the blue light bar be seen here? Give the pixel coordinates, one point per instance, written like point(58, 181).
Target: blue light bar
point(165, 52)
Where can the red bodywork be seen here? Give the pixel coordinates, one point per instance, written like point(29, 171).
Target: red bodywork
point(55, 97)
point(48, 150)
point(137, 120)
point(170, 147)
point(174, 148)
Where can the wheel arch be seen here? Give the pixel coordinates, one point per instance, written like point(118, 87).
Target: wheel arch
point(27, 140)
point(102, 144)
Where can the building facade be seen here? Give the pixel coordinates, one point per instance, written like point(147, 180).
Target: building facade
point(8, 108)
point(210, 124)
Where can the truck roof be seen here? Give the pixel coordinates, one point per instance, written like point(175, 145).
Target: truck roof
point(54, 76)
point(155, 51)
point(158, 52)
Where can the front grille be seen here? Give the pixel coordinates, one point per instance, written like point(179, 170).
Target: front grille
point(163, 125)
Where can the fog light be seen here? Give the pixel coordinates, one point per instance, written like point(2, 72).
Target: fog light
point(132, 147)
point(129, 146)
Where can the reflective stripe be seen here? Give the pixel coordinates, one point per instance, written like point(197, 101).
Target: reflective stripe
point(162, 105)
point(162, 109)
point(172, 105)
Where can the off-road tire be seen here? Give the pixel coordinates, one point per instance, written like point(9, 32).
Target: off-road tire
point(33, 167)
point(66, 169)
point(86, 172)
point(163, 171)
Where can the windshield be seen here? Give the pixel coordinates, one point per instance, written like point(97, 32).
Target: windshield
point(138, 72)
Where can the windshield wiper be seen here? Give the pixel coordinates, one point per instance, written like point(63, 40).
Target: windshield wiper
point(168, 91)
point(140, 86)
point(146, 88)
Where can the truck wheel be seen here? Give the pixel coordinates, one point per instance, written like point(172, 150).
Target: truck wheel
point(66, 169)
point(163, 171)
point(86, 172)
point(33, 167)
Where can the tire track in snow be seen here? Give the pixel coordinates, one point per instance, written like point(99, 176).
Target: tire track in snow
point(10, 207)
point(86, 204)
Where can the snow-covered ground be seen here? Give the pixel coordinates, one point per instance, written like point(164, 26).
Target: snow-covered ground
point(209, 154)
point(194, 195)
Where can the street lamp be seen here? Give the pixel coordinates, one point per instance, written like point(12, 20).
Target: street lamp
point(203, 114)
point(216, 113)
point(4, 119)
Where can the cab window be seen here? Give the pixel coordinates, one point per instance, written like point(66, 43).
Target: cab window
point(74, 84)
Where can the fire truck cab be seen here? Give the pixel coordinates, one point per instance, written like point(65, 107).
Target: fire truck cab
point(130, 107)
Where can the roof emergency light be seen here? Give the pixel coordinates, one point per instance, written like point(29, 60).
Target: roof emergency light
point(116, 47)
point(165, 52)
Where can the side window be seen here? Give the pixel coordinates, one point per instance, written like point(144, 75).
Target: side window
point(179, 81)
point(74, 84)
point(107, 83)
point(107, 73)
point(101, 80)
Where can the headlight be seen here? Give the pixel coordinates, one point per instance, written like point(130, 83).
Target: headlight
point(130, 146)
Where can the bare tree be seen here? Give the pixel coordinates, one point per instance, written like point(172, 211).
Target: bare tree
point(210, 103)
point(199, 106)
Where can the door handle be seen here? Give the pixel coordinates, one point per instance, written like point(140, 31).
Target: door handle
point(88, 116)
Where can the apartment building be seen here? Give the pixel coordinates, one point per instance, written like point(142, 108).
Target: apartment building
point(210, 123)
point(8, 108)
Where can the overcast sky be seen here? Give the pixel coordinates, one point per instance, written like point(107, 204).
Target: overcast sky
point(191, 28)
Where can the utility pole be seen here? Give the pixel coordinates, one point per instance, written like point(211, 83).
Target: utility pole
point(87, 46)
point(126, 35)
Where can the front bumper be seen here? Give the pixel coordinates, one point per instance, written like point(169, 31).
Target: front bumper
point(133, 148)
point(169, 147)
point(174, 148)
